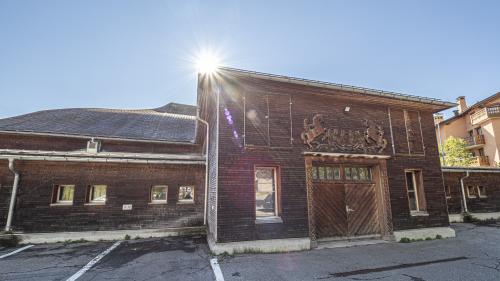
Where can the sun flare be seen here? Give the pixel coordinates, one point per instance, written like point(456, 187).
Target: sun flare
point(207, 62)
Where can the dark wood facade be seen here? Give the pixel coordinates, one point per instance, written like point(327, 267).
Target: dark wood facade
point(264, 123)
point(487, 202)
point(127, 184)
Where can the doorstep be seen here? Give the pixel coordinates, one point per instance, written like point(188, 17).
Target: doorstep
point(53, 237)
point(348, 243)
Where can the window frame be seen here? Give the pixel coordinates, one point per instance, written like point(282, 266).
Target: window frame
point(186, 201)
point(479, 193)
point(158, 201)
point(419, 192)
point(447, 191)
point(276, 218)
point(56, 194)
point(90, 193)
point(474, 189)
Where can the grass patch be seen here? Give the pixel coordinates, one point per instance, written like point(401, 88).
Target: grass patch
point(411, 240)
point(9, 241)
point(69, 241)
point(469, 218)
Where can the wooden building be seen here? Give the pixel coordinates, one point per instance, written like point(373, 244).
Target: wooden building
point(289, 163)
point(293, 162)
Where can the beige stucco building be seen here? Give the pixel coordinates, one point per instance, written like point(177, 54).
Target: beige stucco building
point(478, 125)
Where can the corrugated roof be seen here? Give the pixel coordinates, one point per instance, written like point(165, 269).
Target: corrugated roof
point(145, 124)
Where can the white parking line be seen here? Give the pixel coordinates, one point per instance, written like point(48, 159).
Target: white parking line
point(216, 268)
point(16, 251)
point(93, 262)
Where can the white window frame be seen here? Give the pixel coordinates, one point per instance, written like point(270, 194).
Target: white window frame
point(275, 218)
point(479, 194)
point(158, 201)
point(472, 196)
point(416, 190)
point(447, 191)
point(92, 201)
point(186, 201)
point(63, 202)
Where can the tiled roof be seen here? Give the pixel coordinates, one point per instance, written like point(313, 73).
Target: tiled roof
point(161, 124)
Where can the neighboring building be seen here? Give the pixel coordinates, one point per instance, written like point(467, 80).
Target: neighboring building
point(478, 125)
point(294, 161)
point(291, 162)
point(481, 190)
point(102, 169)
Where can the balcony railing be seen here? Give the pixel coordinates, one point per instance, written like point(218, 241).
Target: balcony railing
point(481, 161)
point(484, 113)
point(476, 140)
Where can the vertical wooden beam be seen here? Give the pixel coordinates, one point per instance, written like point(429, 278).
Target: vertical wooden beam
point(406, 118)
point(421, 132)
point(310, 207)
point(390, 129)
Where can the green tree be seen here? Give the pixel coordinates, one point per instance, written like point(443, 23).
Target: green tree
point(456, 154)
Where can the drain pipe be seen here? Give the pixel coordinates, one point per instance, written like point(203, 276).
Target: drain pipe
point(464, 205)
point(13, 195)
point(206, 164)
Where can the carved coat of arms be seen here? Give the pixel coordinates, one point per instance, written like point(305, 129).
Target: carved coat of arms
point(319, 138)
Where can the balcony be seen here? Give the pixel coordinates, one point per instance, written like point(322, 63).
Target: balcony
point(484, 114)
point(474, 141)
point(481, 161)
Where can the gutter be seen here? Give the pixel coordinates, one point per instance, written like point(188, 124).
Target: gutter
point(465, 210)
point(206, 162)
point(13, 195)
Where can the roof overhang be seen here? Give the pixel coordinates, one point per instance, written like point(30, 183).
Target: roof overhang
point(435, 104)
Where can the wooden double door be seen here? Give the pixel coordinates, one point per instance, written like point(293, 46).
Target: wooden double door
point(345, 209)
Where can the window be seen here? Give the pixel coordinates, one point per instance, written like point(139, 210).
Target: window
point(265, 191)
point(471, 133)
point(479, 131)
point(471, 192)
point(63, 194)
point(447, 191)
point(186, 194)
point(326, 173)
point(159, 194)
point(415, 190)
point(481, 191)
point(97, 194)
point(358, 173)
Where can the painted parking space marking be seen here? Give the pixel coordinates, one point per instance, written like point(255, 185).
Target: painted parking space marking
point(93, 262)
point(216, 269)
point(16, 251)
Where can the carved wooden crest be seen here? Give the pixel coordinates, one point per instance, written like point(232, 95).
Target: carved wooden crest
point(318, 138)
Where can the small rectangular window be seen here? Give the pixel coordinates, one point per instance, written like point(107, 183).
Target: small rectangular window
point(159, 194)
point(481, 191)
point(265, 191)
point(63, 194)
point(97, 194)
point(447, 190)
point(471, 191)
point(415, 189)
point(186, 194)
point(315, 173)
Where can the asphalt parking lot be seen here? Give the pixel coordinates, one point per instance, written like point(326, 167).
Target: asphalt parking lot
point(473, 255)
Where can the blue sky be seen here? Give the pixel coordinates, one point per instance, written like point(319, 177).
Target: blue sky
point(139, 54)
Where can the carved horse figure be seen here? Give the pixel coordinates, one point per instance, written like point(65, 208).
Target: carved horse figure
point(375, 134)
point(313, 131)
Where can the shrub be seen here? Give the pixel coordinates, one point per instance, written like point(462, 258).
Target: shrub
point(127, 237)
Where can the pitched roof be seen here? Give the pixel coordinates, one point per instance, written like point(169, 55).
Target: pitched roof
point(354, 89)
point(161, 124)
point(478, 104)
